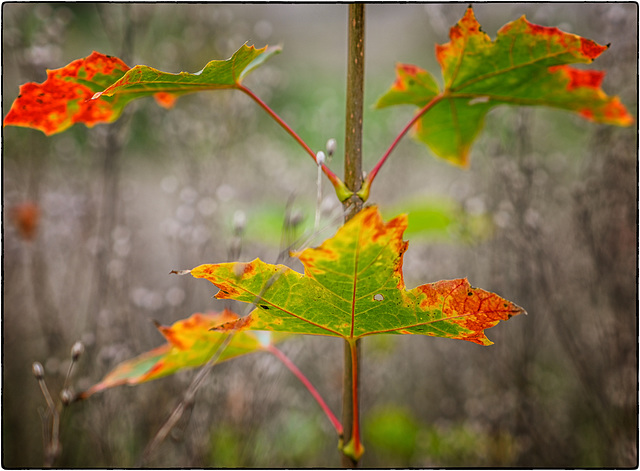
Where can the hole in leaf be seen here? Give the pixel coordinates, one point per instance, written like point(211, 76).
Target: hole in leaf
point(378, 297)
point(264, 306)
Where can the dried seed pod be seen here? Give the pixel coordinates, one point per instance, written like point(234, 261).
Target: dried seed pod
point(66, 396)
point(331, 147)
point(77, 350)
point(38, 370)
point(239, 222)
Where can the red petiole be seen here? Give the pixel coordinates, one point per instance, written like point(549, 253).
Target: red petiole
point(366, 185)
point(314, 392)
point(341, 190)
point(358, 449)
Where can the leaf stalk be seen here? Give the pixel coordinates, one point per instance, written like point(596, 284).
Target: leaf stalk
point(341, 189)
point(354, 448)
point(363, 193)
point(314, 392)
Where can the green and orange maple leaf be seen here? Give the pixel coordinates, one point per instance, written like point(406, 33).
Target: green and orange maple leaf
point(525, 65)
point(96, 89)
point(190, 343)
point(352, 287)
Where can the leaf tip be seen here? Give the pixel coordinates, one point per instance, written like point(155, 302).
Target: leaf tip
point(518, 310)
point(277, 49)
point(591, 49)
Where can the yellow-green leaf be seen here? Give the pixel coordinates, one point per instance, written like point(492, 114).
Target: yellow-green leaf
point(353, 286)
point(216, 75)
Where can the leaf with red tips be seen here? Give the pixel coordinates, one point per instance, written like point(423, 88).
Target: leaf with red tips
point(525, 65)
point(353, 286)
point(65, 97)
point(190, 343)
point(97, 88)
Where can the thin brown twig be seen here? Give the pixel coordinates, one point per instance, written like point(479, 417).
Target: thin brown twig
point(50, 420)
point(190, 393)
point(187, 401)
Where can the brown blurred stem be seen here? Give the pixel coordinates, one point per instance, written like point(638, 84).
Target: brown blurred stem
point(353, 180)
point(187, 401)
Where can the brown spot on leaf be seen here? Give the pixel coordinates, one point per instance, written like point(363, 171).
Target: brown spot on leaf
point(239, 324)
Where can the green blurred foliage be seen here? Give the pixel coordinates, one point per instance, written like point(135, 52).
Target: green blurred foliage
point(392, 432)
point(442, 219)
point(299, 442)
point(397, 439)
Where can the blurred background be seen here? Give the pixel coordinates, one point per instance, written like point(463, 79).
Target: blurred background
point(94, 220)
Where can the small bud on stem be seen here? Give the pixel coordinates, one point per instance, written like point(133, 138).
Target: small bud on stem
point(76, 351)
point(294, 219)
point(66, 396)
point(239, 222)
point(331, 147)
point(38, 370)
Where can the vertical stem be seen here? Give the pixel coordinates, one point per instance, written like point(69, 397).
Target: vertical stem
point(353, 181)
point(355, 102)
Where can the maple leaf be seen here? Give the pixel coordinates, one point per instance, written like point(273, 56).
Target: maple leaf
point(190, 343)
point(525, 65)
point(65, 97)
point(216, 75)
point(353, 286)
point(97, 88)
